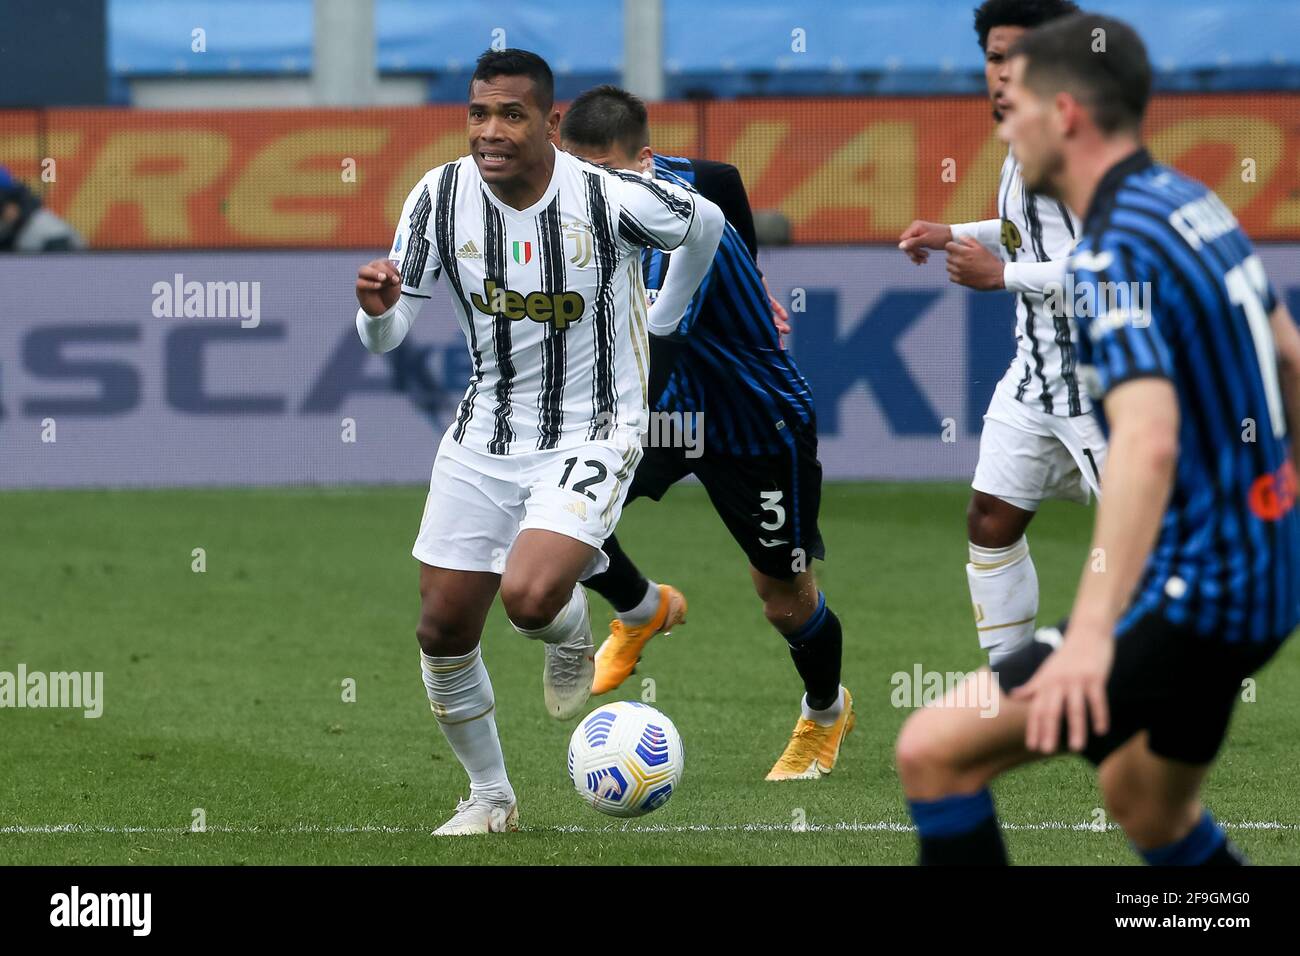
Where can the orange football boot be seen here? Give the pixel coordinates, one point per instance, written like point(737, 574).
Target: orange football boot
point(619, 652)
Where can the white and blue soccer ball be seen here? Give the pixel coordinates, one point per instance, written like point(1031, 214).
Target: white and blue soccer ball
point(626, 759)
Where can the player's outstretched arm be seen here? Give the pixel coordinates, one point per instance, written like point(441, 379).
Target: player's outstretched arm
point(921, 236)
point(1143, 453)
point(1286, 339)
point(1034, 278)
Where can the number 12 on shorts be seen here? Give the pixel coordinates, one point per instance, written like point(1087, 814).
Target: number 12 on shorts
point(581, 486)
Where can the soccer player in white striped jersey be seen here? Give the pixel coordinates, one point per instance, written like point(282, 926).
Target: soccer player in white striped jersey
point(542, 254)
point(1040, 439)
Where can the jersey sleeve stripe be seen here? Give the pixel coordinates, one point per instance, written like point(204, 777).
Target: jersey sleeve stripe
point(632, 230)
point(417, 246)
point(680, 207)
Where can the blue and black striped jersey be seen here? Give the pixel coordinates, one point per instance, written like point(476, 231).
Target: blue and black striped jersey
point(732, 367)
point(1178, 293)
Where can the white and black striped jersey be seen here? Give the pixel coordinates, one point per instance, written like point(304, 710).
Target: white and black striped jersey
point(550, 299)
point(1035, 235)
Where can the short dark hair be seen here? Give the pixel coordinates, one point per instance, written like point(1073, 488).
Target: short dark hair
point(1113, 82)
point(605, 115)
point(513, 62)
point(1018, 13)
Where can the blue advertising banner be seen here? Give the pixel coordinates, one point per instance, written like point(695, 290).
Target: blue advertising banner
point(131, 370)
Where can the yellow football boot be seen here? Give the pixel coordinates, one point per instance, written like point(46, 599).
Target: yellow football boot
point(620, 651)
point(813, 749)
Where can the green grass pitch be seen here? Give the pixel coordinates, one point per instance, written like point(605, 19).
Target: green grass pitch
point(223, 690)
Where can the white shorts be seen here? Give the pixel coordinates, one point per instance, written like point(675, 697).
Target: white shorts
point(478, 503)
point(1028, 455)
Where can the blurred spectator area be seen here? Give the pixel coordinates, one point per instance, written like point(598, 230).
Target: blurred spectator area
point(720, 48)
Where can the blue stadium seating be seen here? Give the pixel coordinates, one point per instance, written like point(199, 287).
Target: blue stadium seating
point(718, 48)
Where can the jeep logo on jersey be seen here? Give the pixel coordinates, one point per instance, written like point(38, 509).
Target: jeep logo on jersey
point(562, 308)
point(523, 251)
point(1010, 236)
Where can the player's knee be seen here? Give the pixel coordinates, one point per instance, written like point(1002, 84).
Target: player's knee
point(925, 771)
point(782, 613)
point(532, 603)
point(442, 636)
point(1128, 805)
point(1121, 802)
point(1146, 818)
point(930, 764)
point(982, 523)
point(787, 605)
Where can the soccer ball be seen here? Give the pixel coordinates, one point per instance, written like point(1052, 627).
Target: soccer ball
point(625, 759)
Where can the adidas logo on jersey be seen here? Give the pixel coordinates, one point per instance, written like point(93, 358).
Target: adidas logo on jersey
point(469, 251)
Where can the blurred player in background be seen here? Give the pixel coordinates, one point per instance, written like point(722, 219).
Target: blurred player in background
point(759, 457)
point(531, 476)
point(1198, 529)
point(1039, 439)
point(27, 226)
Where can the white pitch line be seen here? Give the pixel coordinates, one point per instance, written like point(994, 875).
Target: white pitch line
point(887, 826)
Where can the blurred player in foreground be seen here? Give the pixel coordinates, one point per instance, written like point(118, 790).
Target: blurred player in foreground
point(530, 478)
point(758, 462)
point(1040, 439)
point(1193, 580)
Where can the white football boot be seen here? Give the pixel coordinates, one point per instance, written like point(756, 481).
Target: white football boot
point(569, 671)
point(478, 815)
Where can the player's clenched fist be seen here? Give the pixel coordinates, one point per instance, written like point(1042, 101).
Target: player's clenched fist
point(972, 265)
point(922, 235)
point(379, 286)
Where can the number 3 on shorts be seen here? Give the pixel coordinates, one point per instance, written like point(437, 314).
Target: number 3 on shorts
point(772, 503)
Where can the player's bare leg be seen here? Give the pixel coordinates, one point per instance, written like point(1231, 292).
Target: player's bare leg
point(1001, 575)
point(544, 602)
point(453, 608)
point(1157, 802)
point(947, 756)
point(798, 611)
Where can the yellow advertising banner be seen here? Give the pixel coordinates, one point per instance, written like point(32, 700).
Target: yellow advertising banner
point(841, 170)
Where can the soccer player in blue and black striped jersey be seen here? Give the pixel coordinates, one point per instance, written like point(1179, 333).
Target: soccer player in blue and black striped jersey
point(756, 453)
point(1193, 582)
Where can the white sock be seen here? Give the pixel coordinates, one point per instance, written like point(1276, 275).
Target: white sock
point(1004, 592)
point(460, 695)
point(571, 620)
point(824, 717)
point(643, 612)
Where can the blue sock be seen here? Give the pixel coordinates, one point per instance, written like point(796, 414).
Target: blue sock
point(816, 649)
point(958, 830)
point(1205, 842)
